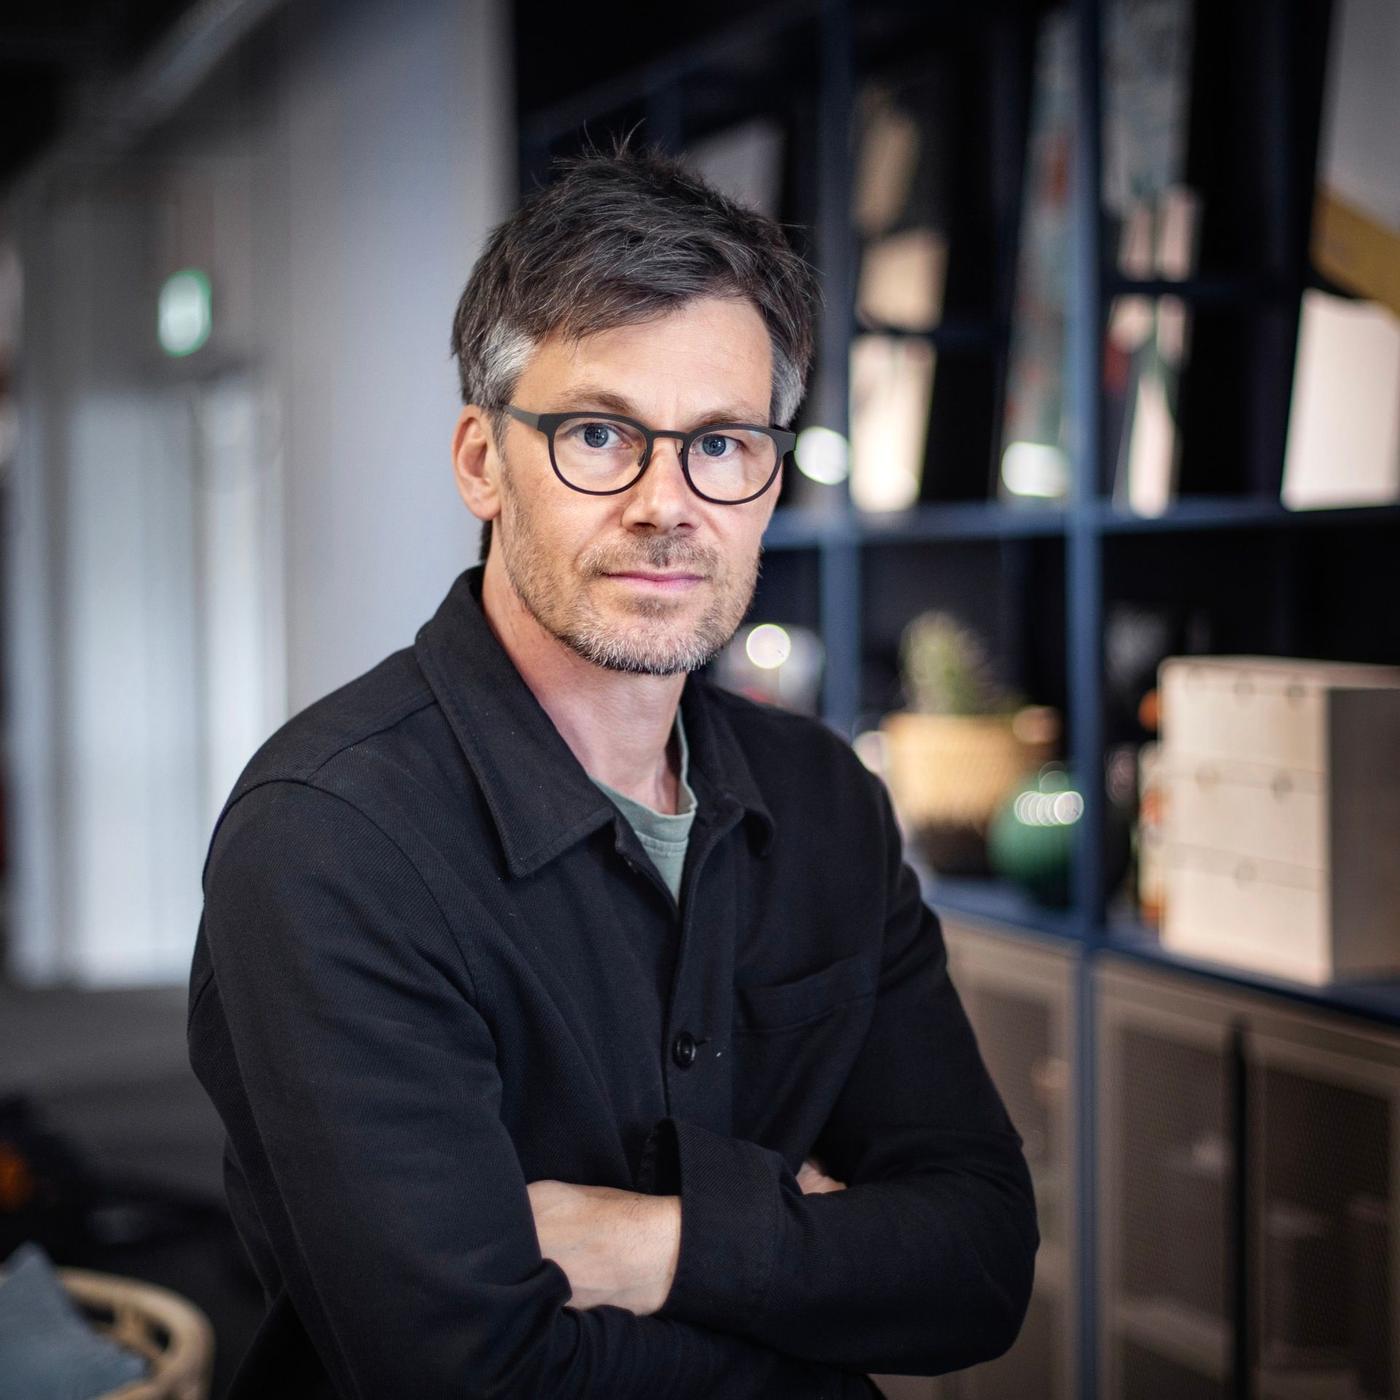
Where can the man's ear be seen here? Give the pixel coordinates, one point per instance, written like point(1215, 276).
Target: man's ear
point(476, 464)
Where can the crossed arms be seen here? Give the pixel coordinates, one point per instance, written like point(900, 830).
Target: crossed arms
point(621, 1247)
point(359, 1078)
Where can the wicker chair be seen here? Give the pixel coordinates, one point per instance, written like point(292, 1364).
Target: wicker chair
point(173, 1335)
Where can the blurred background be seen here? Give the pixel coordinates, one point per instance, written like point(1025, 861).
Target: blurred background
point(1092, 548)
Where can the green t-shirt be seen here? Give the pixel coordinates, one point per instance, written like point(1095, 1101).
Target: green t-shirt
point(664, 835)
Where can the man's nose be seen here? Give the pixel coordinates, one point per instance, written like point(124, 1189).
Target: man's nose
point(662, 499)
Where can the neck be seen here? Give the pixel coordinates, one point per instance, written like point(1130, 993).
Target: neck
point(618, 725)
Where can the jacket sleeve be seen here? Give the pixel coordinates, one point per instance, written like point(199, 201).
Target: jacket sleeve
point(336, 1033)
point(924, 1263)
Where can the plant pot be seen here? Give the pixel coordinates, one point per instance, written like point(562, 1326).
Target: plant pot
point(948, 774)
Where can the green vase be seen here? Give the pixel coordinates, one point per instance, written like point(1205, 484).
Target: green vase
point(1031, 837)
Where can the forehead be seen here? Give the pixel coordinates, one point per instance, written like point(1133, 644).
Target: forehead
point(708, 352)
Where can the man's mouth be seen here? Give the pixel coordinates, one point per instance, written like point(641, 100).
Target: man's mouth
point(657, 579)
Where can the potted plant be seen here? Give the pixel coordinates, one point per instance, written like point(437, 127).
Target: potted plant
point(963, 744)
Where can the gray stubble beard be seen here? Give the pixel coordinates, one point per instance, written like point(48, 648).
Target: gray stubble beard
point(591, 637)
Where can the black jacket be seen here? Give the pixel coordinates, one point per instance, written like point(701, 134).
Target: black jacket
point(435, 964)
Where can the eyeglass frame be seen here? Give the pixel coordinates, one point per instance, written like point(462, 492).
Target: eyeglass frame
point(784, 439)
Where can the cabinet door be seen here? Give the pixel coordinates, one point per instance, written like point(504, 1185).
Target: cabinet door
point(1165, 1189)
point(1018, 994)
point(1324, 1100)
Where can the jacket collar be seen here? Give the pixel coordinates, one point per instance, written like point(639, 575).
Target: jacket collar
point(538, 794)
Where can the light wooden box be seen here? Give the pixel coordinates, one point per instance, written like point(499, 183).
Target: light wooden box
point(1281, 821)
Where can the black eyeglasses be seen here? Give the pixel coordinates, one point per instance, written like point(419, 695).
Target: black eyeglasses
point(601, 454)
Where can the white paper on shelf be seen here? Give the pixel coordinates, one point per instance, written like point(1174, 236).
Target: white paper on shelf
point(901, 279)
point(891, 383)
point(1344, 427)
point(889, 154)
point(743, 162)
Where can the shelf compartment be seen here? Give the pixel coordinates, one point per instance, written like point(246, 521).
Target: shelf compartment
point(1374, 999)
point(1006, 592)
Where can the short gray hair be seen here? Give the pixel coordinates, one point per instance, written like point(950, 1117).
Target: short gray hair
point(616, 239)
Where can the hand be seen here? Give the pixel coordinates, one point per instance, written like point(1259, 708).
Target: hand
point(811, 1178)
point(615, 1246)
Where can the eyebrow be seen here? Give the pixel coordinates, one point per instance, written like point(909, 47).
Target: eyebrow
point(584, 396)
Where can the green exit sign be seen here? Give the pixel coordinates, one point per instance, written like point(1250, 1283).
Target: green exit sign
point(185, 314)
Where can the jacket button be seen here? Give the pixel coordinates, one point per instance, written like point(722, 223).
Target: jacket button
point(683, 1049)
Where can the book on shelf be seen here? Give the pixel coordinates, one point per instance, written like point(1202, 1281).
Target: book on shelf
point(1152, 219)
point(891, 387)
point(1147, 76)
point(1344, 421)
point(1356, 211)
point(900, 215)
point(1034, 460)
point(1344, 424)
point(901, 280)
point(900, 201)
point(744, 162)
point(1148, 339)
point(1146, 93)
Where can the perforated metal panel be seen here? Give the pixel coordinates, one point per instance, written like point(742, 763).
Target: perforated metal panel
point(1324, 1114)
point(1018, 994)
point(1321, 1143)
point(1165, 1192)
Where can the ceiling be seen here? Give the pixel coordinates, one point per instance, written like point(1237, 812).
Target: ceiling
point(55, 55)
point(561, 50)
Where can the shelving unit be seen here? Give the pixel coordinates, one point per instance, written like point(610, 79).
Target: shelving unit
point(1044, 581)
point(801, 63)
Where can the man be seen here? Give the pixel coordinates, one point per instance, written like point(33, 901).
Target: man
point(578, 1027)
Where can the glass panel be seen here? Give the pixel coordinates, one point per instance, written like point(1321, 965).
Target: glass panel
point(1171, 1317)
point(1325, 1312)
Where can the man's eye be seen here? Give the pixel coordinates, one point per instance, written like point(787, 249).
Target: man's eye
point(598, 435)
point(715, 444)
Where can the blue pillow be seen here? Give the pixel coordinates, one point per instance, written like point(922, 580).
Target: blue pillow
point(48, 1350)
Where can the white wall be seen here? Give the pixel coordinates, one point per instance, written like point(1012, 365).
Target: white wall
point(339, 211)
point(397, 135)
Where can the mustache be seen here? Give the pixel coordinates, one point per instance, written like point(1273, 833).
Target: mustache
point(656, 555)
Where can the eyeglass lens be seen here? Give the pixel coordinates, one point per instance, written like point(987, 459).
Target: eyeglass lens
point(602, 454)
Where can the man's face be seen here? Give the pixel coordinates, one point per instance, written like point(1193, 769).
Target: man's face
point(653, 580)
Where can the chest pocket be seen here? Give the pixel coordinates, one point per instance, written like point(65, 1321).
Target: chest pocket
point(793, 1045)
point(782, 1006)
